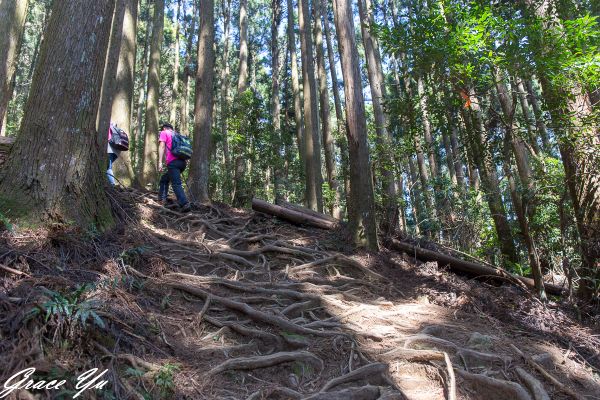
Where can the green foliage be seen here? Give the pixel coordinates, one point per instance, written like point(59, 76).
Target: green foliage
point(164, 379)
point(70, 309)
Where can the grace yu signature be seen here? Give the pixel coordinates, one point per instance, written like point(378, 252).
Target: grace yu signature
point(88, 380)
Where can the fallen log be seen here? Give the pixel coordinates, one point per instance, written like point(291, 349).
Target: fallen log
point(468, 267)
point(305, 210)
point(294, 216)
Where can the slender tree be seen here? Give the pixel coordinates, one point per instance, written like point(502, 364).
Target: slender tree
point(243, 60)
point(378, 94)
point(312, 143)
point(275, 103)
point(138, 129)
point(12, 15)
point(328, 142)
point(175, 94)
point(361, 211)
point(199, 166)
point(295, 80)
point(187, 72)
point(149, 161)
point(224, 125)
point(122, 103)
point(53, 170)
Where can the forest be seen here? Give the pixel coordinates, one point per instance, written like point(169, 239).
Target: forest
point(378, 159)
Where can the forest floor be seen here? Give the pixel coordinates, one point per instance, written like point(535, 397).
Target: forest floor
point(228, 304)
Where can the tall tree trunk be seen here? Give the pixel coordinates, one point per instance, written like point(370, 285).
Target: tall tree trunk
point(184, 112)
point(139, 140)
point(295, 82)
point(328, 143)
point(431, 153)
point(243, 62)
point(312, 147)
point(52, 172)
point(199, 166)
point(361, 210)
point(482, 156)
point(415, 195)
point(110, 69)
point(224, 126)
point(12, 15)
point(124, 84)
point(275, 104)
point(458, 163)
point(239, 192)
point(571, 106)
point(149, 159)
point(527, 200)
point(519, 88)
point(384, 137)
point(339, 116)
point(175, 95)
point(539, 118)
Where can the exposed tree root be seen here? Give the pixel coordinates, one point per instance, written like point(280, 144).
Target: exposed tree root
point(250, 363)
point(256, 315)
point(495, 389)
point(377, 369)
point(535, 387)
point(547, 375)
point(360, 393)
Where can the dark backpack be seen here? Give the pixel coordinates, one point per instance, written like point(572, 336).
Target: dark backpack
point(181, 146)
point(119, 139)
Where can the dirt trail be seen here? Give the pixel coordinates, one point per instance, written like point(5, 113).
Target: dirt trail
point(224, 304)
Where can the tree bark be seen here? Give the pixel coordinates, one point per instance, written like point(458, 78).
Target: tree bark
point(339, 116)
point(149, 159)
point(295, 82)
point(384, 137)
point(199, 166)
point(361, 209)
point(110, 69)
point(328, 142)
point(184, 112)
point(12, 15)
point(52, 172)
point(239, 192)
point(139, 142)
point(226, 11)
point(124, 85)
point(539, 118)
point(275, 104)
point(243, 61)
point(527, 201)
point(482, 156)
point(312, 143)
point(175, 94)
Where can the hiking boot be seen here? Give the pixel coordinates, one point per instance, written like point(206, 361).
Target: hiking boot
point(186, 208)
point(163, 202)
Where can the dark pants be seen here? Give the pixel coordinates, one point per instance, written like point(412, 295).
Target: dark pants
point(173, 175)
point(109, 171)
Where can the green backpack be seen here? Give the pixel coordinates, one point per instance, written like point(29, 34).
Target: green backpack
point(181, 146)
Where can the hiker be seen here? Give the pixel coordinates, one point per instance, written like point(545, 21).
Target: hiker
point(174, 168)
point(113, 154)
point(118, 141)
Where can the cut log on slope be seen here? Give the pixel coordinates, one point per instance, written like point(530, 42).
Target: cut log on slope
point(295, 216)
point(5, 145)
point(467, 266)
point(305, 210)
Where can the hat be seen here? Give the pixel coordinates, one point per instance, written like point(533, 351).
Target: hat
point(166, 125)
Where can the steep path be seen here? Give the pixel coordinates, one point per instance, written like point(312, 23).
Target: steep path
point(225, 304)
